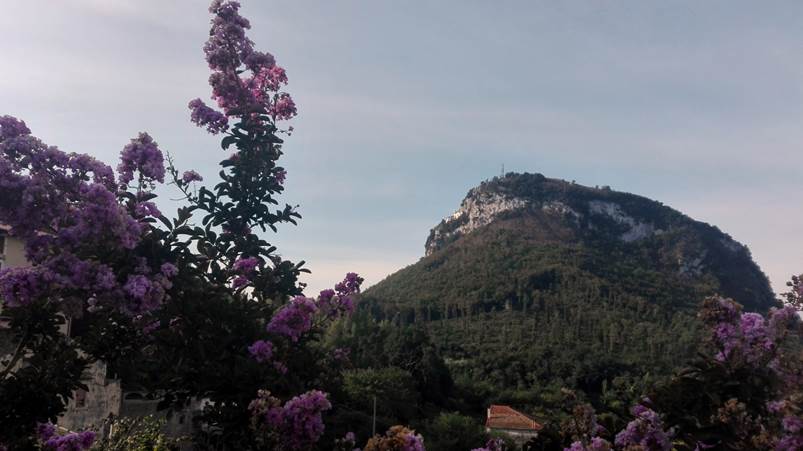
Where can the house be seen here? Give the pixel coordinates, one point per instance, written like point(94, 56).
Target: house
point(511, 422)
point(12, 255)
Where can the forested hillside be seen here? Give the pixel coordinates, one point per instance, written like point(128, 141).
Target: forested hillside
point(537, 282)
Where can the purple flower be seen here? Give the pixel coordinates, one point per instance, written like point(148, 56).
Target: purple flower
point(45, 431)
point(283, 107)
point(600, 444)
point(326, 296)
point(227, 44)
point(147, 209)
point(245, 265)
point(261, 350)
point(11, 127)
point(204, 116)
point(780, 320)
point(280, 367)
point(266, 81)
point(145, 294)
point(257, 61)
point(792, 424)
point(137, 286)
point(299, 422)
point(191, 176)
point(294, 319)
point(349, 285)
point(413, 442)
point(240, 281)
point(281, 176)
point(646, 431)
point(776, 406)
point(20, 286)
point(142, 155)
point(74, 441)
point(169, 270)
point(756, 337)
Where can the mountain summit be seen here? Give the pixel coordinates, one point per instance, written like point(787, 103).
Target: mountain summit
point(535, 278)
point(551, 210)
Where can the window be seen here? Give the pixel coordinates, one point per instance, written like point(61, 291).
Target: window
point(80, 398)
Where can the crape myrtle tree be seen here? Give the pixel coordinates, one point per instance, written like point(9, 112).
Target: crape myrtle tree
point(195, 307)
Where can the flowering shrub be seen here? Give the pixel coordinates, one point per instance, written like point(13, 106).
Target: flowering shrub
point(494, 444)
point(596, 444)
point(74, 441)
point(174, 306)
point(747, 396)
point(645, 431)
point(294, 426)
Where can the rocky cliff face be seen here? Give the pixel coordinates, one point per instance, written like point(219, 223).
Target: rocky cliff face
point(593, 213)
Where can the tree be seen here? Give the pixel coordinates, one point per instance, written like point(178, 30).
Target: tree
point(197, 306)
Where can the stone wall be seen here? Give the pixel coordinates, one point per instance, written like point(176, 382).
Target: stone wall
point(89, 408)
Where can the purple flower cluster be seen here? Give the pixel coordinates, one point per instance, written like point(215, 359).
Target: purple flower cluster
point(413, 442)
point(168, 270)
point(283, 107)
point(65, 208)
point(244, 269)
point(596, 444)
point(143, 209)
point(146, 293)
point(11, 127)
point(792, 439)
point(645, 431)
point(227, 51)
point(281, 176)
point(746, 337)
point(294, 319)
point(245, 265)
point(757, 340)
point(20, 286)
point(267, 79)
point(74, 441)
point(350, 285)
point(227, 45)
point(297, 317)
point(204, 116)
point(494, 444)
point(191, 176)
point(261, 350)
point(142, 155)
point(298, 424)
point(340, 300)
point(347, 443)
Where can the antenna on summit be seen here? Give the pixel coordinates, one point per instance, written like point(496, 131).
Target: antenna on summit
point(503, 170)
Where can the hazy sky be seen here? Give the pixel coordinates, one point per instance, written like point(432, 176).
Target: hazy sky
point(404, 106)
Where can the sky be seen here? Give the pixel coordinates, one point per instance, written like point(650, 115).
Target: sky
point(404, 106)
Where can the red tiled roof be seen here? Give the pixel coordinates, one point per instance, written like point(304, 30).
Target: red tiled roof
point(506, 417)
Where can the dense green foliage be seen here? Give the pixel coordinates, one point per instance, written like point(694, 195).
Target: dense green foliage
point(538, 300)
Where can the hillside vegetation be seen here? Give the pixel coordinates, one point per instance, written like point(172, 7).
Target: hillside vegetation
point(536, 281)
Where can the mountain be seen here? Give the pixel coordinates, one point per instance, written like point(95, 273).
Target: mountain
point(536, 281)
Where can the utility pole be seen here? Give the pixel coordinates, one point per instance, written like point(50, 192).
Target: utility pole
point(373, 420)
